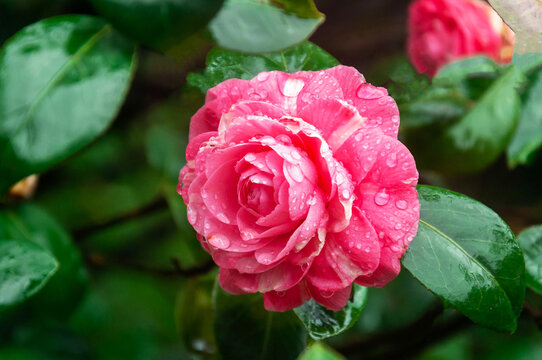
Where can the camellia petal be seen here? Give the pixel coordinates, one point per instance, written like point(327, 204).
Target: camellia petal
point(298, 186)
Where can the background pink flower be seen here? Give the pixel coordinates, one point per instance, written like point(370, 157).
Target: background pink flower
point(441, 31)
point(298, 186)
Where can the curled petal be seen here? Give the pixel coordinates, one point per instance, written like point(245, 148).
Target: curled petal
point(333, 300)
point(279, 278)
point(373, 103)
point(285, 300)
point(346, 255)
point(218, 101)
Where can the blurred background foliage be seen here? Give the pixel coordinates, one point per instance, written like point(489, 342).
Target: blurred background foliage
point(134, 281)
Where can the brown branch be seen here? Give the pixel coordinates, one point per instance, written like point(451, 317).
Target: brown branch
point(406, 341)
point(87, 231)
point(534, 313)
point(100, 260)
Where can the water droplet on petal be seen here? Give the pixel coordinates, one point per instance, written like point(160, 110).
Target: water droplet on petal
point(401, 204)
point(327, 294)
point(391, 161)
point(222, 217)
point(250, 157)
point(382, 197)
point(295, 173)
point(219, 241)
point(292, 87)
point(192, 215)
point(262, 76)
point(369, 92)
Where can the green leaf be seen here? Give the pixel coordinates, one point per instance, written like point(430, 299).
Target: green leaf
point(528, 62)
point(62, 81)
point(225, 64)
point(157, 23)
point(437, 105)
point(477, 139)
point(194, 313)
point(528, 137)
point(322, 323)
point(25, 267)
point(245, 330)
point(460, 70)
point(302, 8)
point(319, 351)
point(255, 26)
point(467, 255)
point(531, 243)
point(65, 289)
point(165, 149)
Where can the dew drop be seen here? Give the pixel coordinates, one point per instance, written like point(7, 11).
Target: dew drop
point(295, 173)
point(292, 87)
point(222, 217)
point(382, 198)
point(192, 215)
point(235, 91)
point(250, 157)
point(391, 161)
point(369, 92)
point(327, 294)
point(401, 204)
point(262, 76)
point(219, 241)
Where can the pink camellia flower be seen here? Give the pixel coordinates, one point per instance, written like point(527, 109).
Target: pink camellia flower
point(441, 31)
point(298, 186)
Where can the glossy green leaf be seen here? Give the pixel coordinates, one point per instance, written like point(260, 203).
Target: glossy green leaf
point(459, 70)
point(157, 23)
point(527, 140)
point(322, 323)
point(62, 81)
point(63, 292)
point(302, 8)
point(477, 139)
point(319, 351)
point(436, 106)
point(225, 64)
point(256, 26)
point(245, 330)
point(531, 243)
point(25, 267)
point(467, 255)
